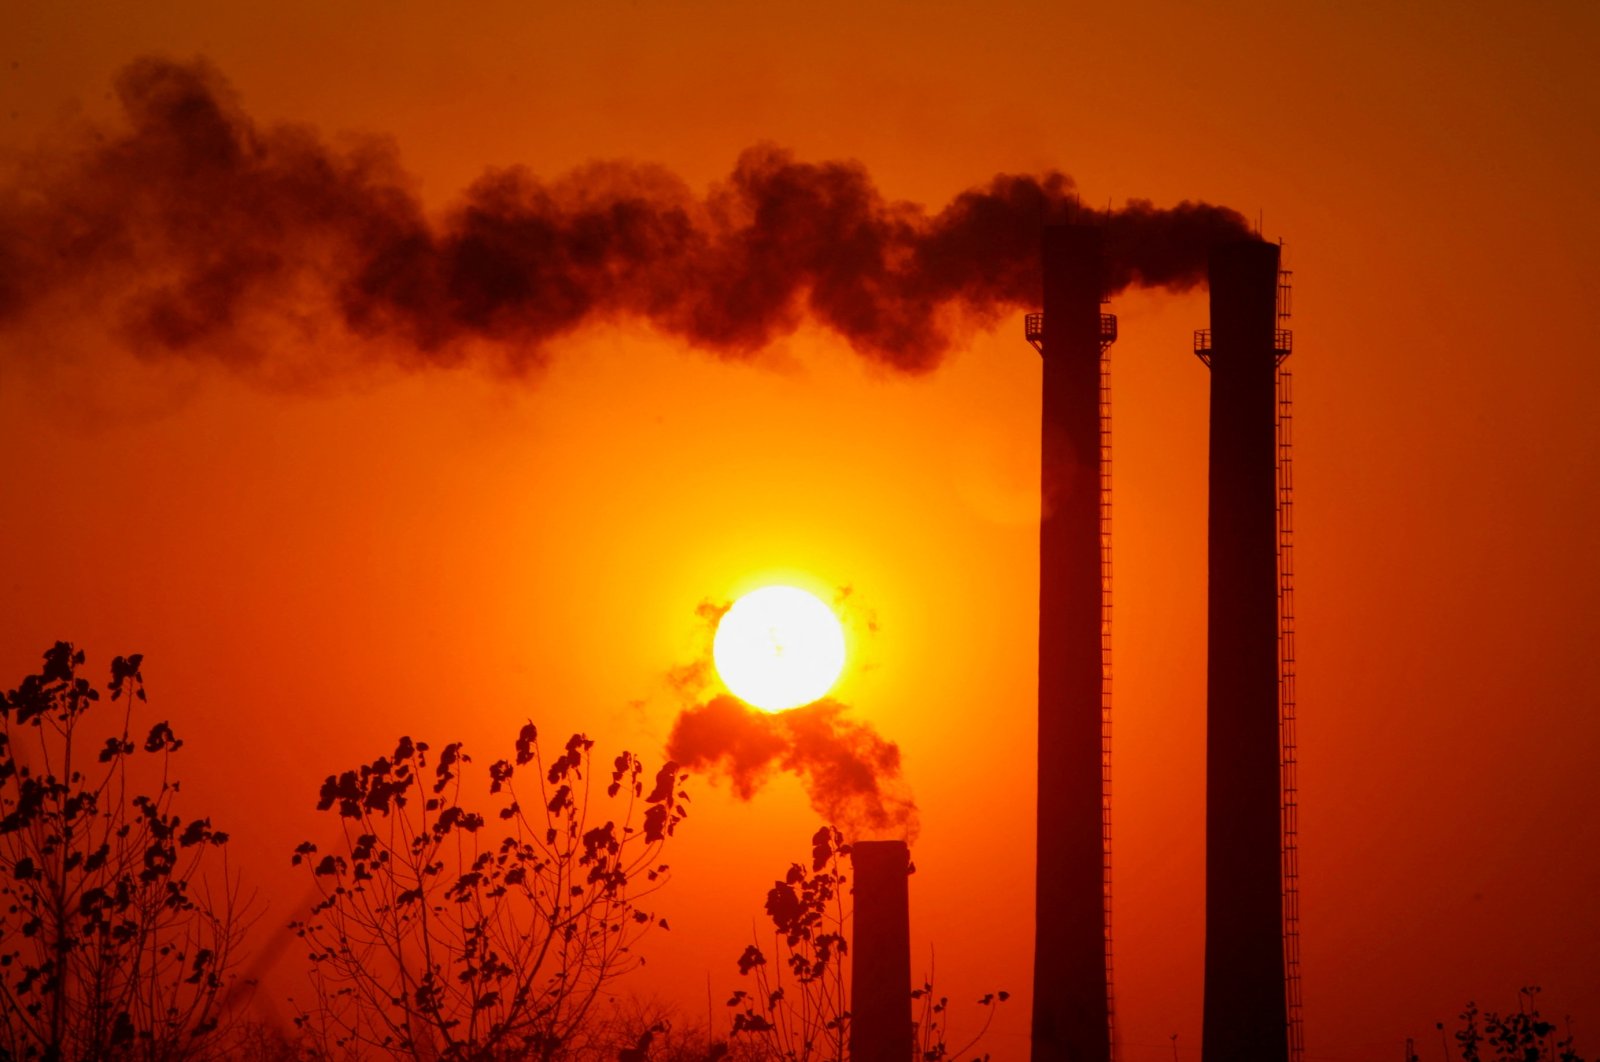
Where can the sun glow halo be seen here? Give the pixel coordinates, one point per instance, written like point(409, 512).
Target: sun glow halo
point(779, 647)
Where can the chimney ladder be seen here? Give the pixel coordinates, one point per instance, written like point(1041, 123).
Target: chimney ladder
point(1108, 335)
point(1286, 673)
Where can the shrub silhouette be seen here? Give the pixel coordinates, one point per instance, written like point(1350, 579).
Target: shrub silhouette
point(1523, 1036)
point(797, 1009)
point(445, 933)
point(802, 1015)
point(112, 946)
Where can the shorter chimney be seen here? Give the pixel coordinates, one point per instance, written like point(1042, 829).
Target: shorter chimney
point(880, 967)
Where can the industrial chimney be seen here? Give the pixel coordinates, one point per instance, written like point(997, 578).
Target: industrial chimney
point(1246, 1014)
point(1071, 974)
point(880, 953)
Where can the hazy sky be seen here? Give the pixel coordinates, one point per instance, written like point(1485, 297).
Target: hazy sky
point(339, 543)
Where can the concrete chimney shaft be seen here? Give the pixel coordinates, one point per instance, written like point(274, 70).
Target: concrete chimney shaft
point(1070, 983)
point(1245, 1016)
point(880, 953)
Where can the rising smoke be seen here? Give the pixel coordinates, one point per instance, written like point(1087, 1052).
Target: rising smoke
point(199, 231)
point(851, 773)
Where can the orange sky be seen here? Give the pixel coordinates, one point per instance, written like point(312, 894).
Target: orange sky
point(313, 570)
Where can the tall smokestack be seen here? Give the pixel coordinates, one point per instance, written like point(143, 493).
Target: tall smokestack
point(1071, 999)
point(1245, 1010)
point(880, 962)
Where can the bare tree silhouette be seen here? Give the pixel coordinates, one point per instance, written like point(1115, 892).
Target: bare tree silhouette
point(113, 945)
point(446, 934)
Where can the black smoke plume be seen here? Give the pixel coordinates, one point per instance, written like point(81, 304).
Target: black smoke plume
point(850, 772)
point(200, 231)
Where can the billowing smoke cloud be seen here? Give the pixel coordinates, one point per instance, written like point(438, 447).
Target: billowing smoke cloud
point(201, 232)
point(850, 772)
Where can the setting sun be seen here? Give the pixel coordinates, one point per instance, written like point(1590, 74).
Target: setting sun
point(779, 647)
point(817, 418)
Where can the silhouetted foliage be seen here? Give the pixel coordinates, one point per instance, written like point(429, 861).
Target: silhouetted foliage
point(798, 1008)
point(111, 945)
point(645, 1030)
point(1523, 1036)
point(933, 1024)
point(447, 933)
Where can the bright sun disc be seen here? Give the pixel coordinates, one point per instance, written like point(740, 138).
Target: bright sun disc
point(779, 647)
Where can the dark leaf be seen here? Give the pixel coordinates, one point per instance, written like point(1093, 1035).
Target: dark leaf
point(751, 958)
point(527, 744)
